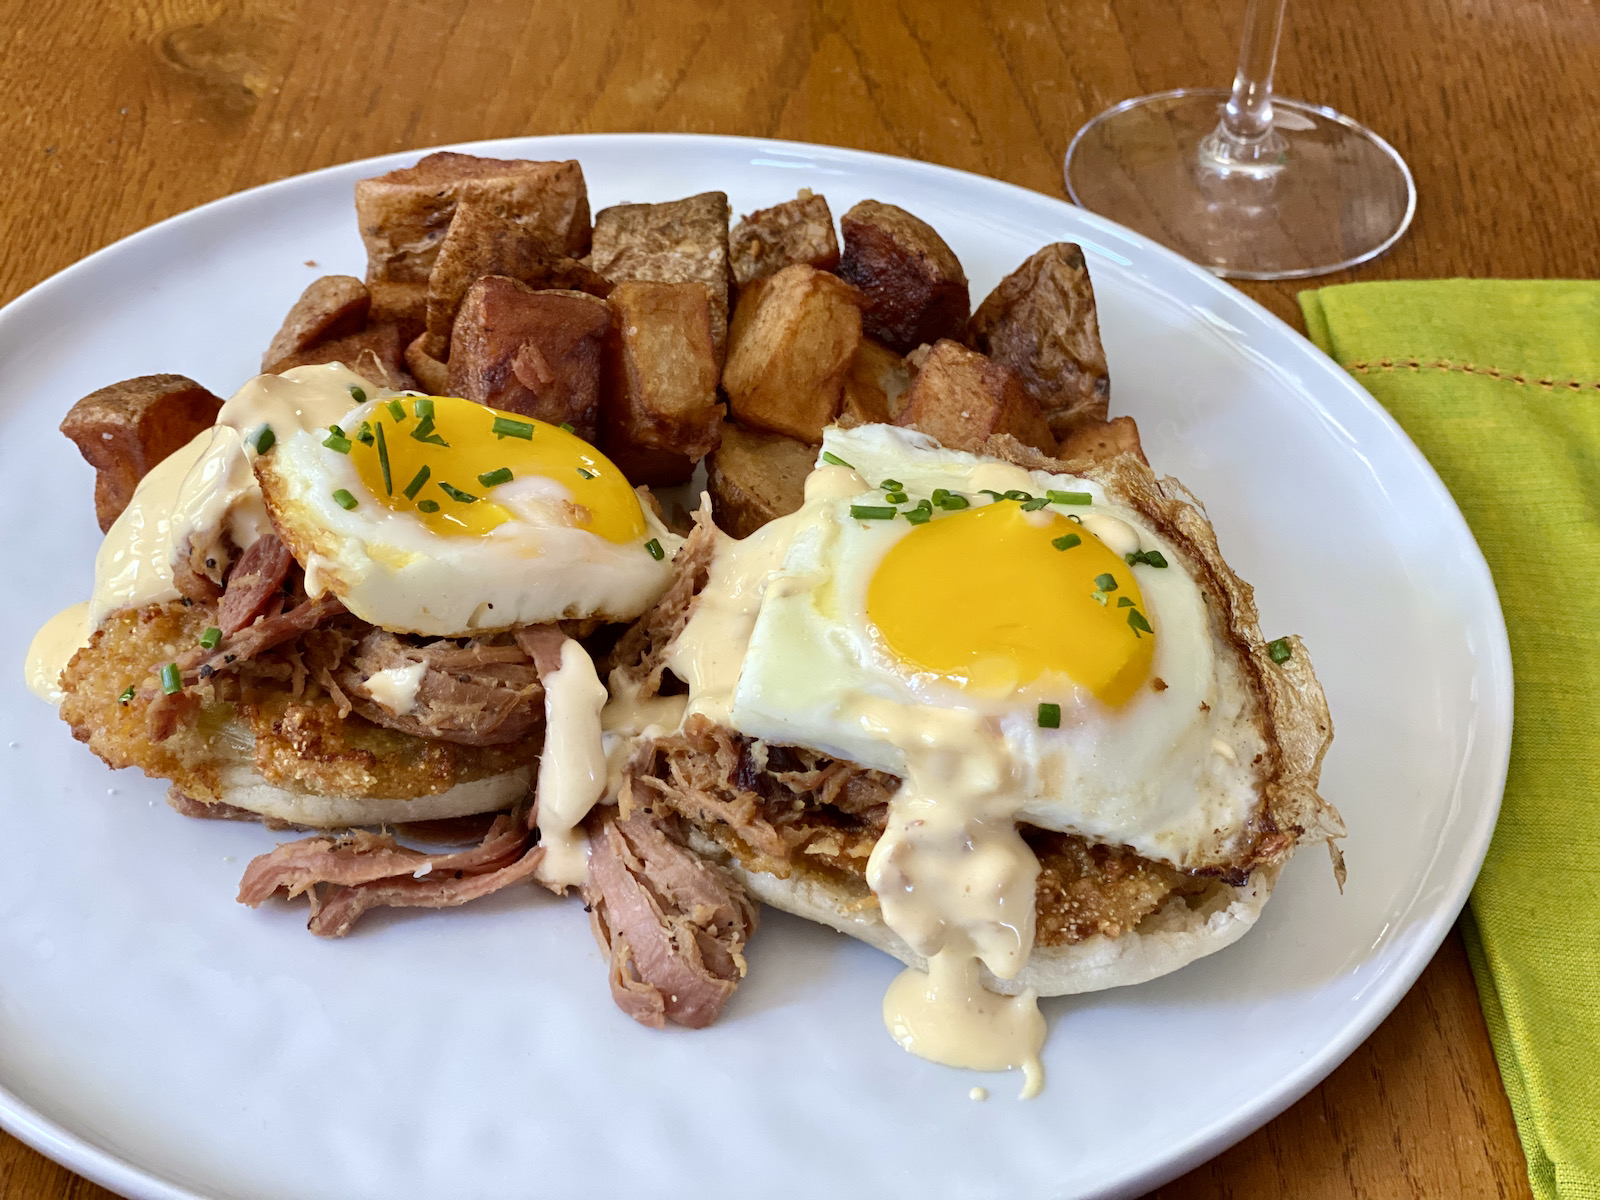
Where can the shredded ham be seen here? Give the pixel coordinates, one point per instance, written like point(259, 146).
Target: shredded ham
point(476, 693)
point(256, 581)
point(348, 875)
point(674, 925)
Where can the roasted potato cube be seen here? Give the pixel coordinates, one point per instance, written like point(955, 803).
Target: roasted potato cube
point(660, 390)
point(332, 307)
point(534, 353)
point(376, 353)
point(875, 385)
point(681, 241)
point(127, 428)
point(793, 338)
point(961, 398)
point(796, 231)
point(403, 305)
point(916, 290)
point(479, 243)
point(754, 477)
point(404, 215)
point(1040, 321)
point(1101, 441)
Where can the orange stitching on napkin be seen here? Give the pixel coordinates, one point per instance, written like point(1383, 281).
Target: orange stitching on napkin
point(1547, 382)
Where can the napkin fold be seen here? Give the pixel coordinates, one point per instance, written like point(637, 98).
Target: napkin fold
point(1498, 383)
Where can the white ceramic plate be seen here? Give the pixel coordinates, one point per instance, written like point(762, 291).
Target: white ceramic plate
point(166, 1042)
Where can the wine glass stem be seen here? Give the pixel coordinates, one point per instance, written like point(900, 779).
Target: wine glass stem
point(1247, 117)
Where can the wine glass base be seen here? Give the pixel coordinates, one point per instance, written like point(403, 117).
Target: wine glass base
point(1331, 194)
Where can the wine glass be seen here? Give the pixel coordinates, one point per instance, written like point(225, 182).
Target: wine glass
point(1242, 182)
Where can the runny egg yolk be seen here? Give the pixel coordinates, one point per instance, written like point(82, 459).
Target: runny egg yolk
point(431, 459)
point(993, 599)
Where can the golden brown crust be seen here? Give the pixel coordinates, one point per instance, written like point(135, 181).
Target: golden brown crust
point(916, 291)
point(796, 231)
point(754, 477)
point(331, 307)
point(962, 398)
point(294, 739)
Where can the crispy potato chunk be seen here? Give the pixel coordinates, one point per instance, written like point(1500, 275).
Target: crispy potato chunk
point(660, 391)
point(376, 353)
point(754, 477)
point(681, 241)
point(962, 398)
point(1102, 441)
point(332, 307)
point(403, 305)
point(876, 384)
point(916, 290)
point(796, 231)
point(528, 352)
point(405, 214)
point(1040, 321)
point(481, 242)
point(793, 339)
point(127, 428)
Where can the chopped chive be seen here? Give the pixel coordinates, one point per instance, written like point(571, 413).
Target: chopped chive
point(921, 514)
point(872, 512)
point(424, 432)
point(567, 428)
point(1124, 602)
point(126, 696)
point(334, 429)
point(1280, 650)
point(383, 462)
point(1018, 494)
point(1049, 716)
point(585, 474)
point(422, 407)
point(991, 492)
point(1066, 541)
point(896, 497)
point(171, 681)
point(1075, 518)
point(894, 485)
point(1140, 625)
point(397, 410)
point(337, 442)
point(656, 552)
point(829, 457)
point(1035, 504)
point(951, 502)
point(211, 637)
point(1150, 558)
point(506, 427)
point(1070, 497)
point(1100, 598)
point(497, 476)
point(417, 480)
point(1106, 582)
point(358, 394)
point(262, 439)
point(344, 499)
point(364, 434)
point(428, 506)
point(457, 494)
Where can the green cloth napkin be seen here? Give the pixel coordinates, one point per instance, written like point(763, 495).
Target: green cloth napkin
point(1498, 383)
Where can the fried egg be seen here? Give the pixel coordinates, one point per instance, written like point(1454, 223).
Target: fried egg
point(438, 516)
point(1061, 621)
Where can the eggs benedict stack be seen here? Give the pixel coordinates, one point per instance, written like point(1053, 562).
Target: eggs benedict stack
point(1009, 719)
point(344, 606)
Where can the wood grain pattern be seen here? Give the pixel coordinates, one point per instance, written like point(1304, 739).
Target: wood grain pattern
point(115, 116)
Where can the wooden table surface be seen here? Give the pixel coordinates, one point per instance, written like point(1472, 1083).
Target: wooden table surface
point(113, 116)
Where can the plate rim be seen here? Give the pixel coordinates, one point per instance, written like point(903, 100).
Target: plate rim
point(1494, 713)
